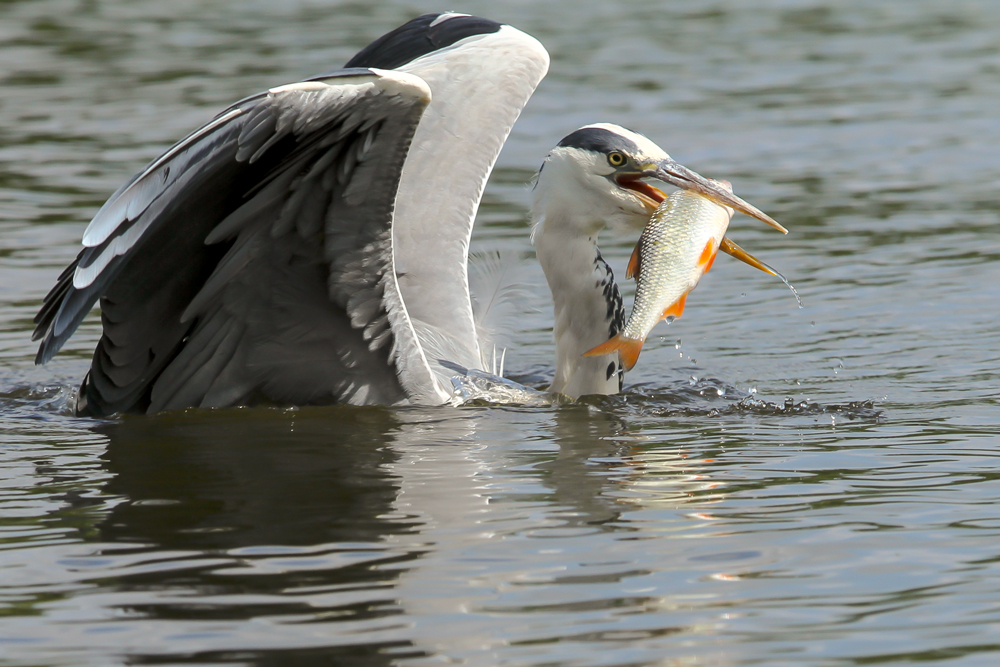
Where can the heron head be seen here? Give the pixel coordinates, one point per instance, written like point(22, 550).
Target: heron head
point(605, 175)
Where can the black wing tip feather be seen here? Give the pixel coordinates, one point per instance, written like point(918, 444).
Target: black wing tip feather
point(46, 351)
point(52, 342)
point(47, 314)
point(416, 38)
point(61, 314)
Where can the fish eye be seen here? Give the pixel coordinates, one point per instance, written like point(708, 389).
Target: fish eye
point(616, 159)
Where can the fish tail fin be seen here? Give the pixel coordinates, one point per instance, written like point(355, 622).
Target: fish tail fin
point(628, 350)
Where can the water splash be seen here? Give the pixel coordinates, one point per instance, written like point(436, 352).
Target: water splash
point(711, 397)
point(791, 287)
point(471, 386)
point(783, 279)
point(43, 402)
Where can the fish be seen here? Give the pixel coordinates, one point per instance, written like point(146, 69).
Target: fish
point(677, 247)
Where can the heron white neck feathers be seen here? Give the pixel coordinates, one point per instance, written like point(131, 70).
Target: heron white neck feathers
point(576, 197)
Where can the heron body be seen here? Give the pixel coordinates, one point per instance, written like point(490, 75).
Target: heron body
point(310, 244)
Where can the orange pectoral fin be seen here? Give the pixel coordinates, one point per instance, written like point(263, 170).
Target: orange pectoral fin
point(628, 350)
point(632, 271)
point(676, 309)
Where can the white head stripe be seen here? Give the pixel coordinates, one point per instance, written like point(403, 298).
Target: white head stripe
point(647, 147)
point(445, 17)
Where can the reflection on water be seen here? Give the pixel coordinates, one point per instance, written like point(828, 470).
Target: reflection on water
point(216, 519)
point(225, 481)
point(584, 465)
point(778, 486)
point(254, 514)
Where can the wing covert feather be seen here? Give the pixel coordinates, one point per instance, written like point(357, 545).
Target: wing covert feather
point(311, 165)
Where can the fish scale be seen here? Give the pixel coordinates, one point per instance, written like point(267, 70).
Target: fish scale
point(676, 249)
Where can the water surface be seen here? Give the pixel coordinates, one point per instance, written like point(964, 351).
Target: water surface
point(778, 485)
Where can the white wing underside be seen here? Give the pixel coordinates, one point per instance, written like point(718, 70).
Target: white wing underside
point(479, 87)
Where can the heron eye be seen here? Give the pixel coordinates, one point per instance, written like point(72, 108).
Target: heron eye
point(616, 159)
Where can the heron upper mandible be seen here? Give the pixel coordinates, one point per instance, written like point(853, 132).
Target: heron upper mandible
point(310, 244)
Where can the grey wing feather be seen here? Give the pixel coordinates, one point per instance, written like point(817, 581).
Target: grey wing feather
point(198, 260)
point(499, 298)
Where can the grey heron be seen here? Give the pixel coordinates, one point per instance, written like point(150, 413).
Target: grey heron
point(310, 243)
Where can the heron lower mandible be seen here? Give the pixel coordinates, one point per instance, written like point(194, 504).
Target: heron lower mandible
point(310, 244)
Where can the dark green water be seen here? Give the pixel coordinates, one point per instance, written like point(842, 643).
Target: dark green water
point(779, 486)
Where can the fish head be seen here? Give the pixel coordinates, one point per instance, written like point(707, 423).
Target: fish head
point(721, 192)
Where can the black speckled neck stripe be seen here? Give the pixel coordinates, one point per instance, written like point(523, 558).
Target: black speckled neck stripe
point(418, 38)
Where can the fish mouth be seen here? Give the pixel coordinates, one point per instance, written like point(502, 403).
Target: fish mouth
point(680, 176)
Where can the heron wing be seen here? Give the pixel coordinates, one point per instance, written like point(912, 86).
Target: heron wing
point(255, 256)
point(480, 85)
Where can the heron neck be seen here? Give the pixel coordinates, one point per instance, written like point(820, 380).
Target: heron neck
point(587, 304)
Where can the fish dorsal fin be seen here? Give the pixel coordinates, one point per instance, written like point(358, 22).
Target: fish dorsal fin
point(676, 309)
point(632, 271)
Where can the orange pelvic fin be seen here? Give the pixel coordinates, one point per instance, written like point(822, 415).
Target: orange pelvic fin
point(676, 309)
point(628, 350)
point(632, 271)
point(708, 255)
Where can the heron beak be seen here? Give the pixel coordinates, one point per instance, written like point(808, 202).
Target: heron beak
point(682, 177)
point(739, 253)
point(650, 196)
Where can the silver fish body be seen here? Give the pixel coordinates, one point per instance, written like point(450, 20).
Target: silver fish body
point(676, 249)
